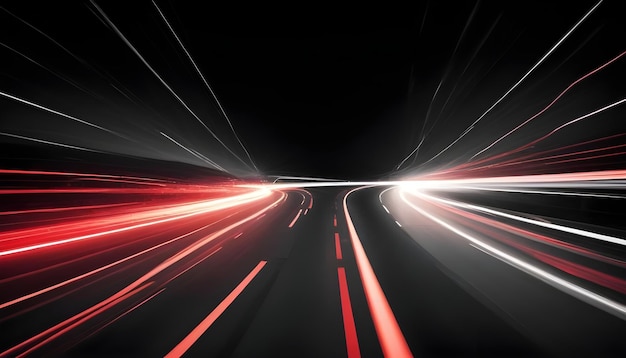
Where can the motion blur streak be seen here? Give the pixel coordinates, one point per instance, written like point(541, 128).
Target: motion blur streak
point(178, 205)
point(550, 104)
point(391, 339)
point(48, 142)
point(134, 220)
point(193, 336)
point(567, 229)
point(156, 74)
point(59, 113)
point(206, 83)
point(556, 280)
point(121, 221)
point(539, 62)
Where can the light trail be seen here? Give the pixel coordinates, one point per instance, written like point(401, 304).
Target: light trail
point(567, 229)
point(591, 297)
point(80, 251)
point(50, 110)
point(146, 280)
point(156, 74)
point(49, 142)
point(206, 83)
point(194, 153)
point(389, 334)
point(532, 69)
point(195, 334)
point(550, 104)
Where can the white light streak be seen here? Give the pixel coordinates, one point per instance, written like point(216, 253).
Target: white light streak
point(519, 81)
point(593, 298)
point(206, 83)
point(180, 100)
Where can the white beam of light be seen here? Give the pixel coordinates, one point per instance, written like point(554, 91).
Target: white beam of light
point(206, 83)
point(562, 228)
point(550, 104)
point(156, 74)
point(541, 60)
point(49, 142)
point(615, 308)
point(50, 110)
point(194, 153)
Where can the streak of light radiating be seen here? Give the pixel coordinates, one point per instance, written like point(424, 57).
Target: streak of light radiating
point(150, 218)
point(194, 153)
point(21, 100)
point(195, 334)
point(49, 142)
point(532, 69)
point(389, 334)
point(567, 229)
point(138, 285)
point(593, 298)
point(550, 104)
point(156, 74)
point(206, 83)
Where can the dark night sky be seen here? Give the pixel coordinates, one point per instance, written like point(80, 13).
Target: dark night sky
point(311, 90)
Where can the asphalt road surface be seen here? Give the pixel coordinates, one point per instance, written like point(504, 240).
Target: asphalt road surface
point(311, 272)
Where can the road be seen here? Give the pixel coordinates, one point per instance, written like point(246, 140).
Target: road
point(312, 272)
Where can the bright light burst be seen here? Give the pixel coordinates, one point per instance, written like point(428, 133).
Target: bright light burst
point(542, 191)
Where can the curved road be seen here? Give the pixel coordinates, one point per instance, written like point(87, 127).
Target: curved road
point(321, 272)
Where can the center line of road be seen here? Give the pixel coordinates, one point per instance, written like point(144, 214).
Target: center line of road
point(195, 334)
point(296, 218)
point(352, 342)
point(338, 247)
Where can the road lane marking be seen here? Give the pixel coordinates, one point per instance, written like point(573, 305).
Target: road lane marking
point(338, 247)
point(390, 336)
point(197, 332)
point(352, 342)
point(296, 218)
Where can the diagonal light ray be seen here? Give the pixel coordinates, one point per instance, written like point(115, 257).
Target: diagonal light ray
point(49, 142)
point(206, 83)
point(156, 74)
point(194, 153)
point(532, 69)
point(33, 104)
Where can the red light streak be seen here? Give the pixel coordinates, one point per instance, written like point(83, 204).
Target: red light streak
point(389, 334)
point(18, 241)
point(50, 334)
point(120, 218)
point(199, 330)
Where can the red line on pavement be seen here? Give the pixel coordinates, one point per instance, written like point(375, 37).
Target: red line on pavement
point(338, 247)
point(193, 336)
point(388, 331)
point(352, 342)
point(335, 220)
point(296, 218)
